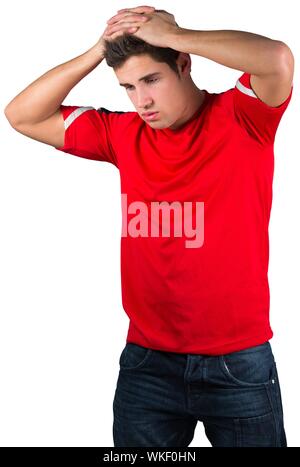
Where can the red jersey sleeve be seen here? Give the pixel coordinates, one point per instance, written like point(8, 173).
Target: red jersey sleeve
point(90, 133)
point(258, 118)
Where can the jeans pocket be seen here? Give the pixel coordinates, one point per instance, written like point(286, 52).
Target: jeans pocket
point(250, 367)
point(134, 356)
point(256, 431)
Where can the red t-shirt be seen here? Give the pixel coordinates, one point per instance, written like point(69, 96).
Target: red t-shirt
point(214, 298)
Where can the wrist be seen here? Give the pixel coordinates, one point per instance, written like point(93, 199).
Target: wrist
point(98, 50)
point(174, 37)
point(170, 37)
point(178, 39)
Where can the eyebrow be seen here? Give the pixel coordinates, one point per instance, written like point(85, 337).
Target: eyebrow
point(150, 75)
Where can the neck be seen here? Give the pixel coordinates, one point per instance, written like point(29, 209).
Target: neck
point(194, 98)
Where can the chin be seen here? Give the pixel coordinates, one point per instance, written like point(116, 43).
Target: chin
point(157, 125)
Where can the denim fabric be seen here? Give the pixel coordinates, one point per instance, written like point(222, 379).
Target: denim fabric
point(160, 397)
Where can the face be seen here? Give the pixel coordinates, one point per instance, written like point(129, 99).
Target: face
point(154, 87)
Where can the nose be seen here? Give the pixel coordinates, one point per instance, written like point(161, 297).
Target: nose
point(144, 101)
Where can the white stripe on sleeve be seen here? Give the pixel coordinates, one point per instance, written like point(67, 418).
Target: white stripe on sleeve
point(76, 113)
point(245, 90)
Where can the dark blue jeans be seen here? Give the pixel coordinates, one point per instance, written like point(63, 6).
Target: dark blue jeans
point(160, 397)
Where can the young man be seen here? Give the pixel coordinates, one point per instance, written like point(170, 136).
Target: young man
point(198, 346)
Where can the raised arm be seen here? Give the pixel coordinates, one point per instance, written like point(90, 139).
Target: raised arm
point(35, 112)
point(269, 62)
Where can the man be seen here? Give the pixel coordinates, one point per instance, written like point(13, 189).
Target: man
point(198, 346)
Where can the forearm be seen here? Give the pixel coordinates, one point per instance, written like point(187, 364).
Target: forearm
point(244, 51)
point(44, 96)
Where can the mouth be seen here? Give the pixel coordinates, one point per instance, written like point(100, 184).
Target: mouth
point(150, 115)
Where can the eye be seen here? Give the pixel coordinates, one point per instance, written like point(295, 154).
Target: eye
point(148, 81)
point(151, 80)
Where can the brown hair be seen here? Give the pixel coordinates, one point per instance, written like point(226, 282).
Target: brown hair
point(127, 45)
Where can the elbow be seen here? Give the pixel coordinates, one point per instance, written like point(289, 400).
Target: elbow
point(10, 116)
point(6, 112)
point(284, 58)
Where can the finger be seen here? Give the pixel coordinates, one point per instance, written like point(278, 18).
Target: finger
point(138, 9)
point(121, 25)
point(129, 16)
point(113, 31)
point(121, 32)
point(118, 16)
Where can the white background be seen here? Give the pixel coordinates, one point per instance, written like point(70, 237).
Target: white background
point(62, 325)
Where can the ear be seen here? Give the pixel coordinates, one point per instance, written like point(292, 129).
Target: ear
point(184, 63)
